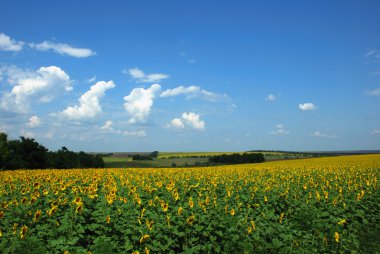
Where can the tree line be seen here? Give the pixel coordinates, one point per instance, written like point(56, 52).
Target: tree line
point(237, 158)
point(27, 153)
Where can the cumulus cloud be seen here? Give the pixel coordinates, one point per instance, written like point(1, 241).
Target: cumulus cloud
point(188, 119)
point(374, 92)
point(176, 123)
point(141, 77)
point(193, 92)
point(107, 126)
point(89, 102)
point(139, 103)
point(375, 132)
point(280, 130)
point(34, 121)
point(319, 134)
point(42, 85)
point(271, 97)
point(63, 49)
point(308, 106)
point(8, 44)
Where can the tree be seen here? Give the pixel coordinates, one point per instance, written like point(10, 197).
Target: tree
point(4, 150)
point(154, 154)
point(34, 154)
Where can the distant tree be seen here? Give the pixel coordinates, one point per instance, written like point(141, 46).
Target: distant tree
point(85, 160)
point(98, 161)
point(64, 158)
point(4, 149)
point(139, 157)
point(237, 158)
point(26, 153)
point(154, 154)
point(34, 154)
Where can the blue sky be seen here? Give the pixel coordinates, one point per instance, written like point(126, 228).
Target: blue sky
point(191, 75)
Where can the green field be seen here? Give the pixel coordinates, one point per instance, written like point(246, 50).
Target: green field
point(183, 159)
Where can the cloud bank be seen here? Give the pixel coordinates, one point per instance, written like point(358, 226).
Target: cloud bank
point(42, 86)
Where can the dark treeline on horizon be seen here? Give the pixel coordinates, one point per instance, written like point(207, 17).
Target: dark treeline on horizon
point(237, 158)
point(27, 153)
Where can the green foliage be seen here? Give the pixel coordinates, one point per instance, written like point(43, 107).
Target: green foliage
point(27, 153)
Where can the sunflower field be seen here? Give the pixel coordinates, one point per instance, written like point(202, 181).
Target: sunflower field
point(322, 205)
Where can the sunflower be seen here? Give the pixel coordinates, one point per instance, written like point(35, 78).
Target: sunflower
point(144, 238)
point(165, 207)
point(190, 220)
point(149, 224)
point(23, 231)
point(79, 208)
point(52, 211)
point(191, 203)
point(336, 236)
point(108, 219)
point(342, 222)
point(77, 200)
point(37, 215)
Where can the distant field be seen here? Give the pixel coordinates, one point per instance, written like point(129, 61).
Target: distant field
point(183, 159)
point(206, 154)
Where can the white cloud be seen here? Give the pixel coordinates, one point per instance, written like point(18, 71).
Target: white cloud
point(89, 105)
point(280, 130)
point(307, 106)
point(42, 85)
point(373, 55)
point(176, 123)
point(63, 49)
point(271, 97)
point(139, 103)
point(34, 121)
point(140, 76)
point(374, 92)
point(107, 126)
point(375, 132)
point(193, 120)
point(91, 80)
point(189, 119)
point(8, 44)
point(319, 134)
point(193, 92)
point(140, 133)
